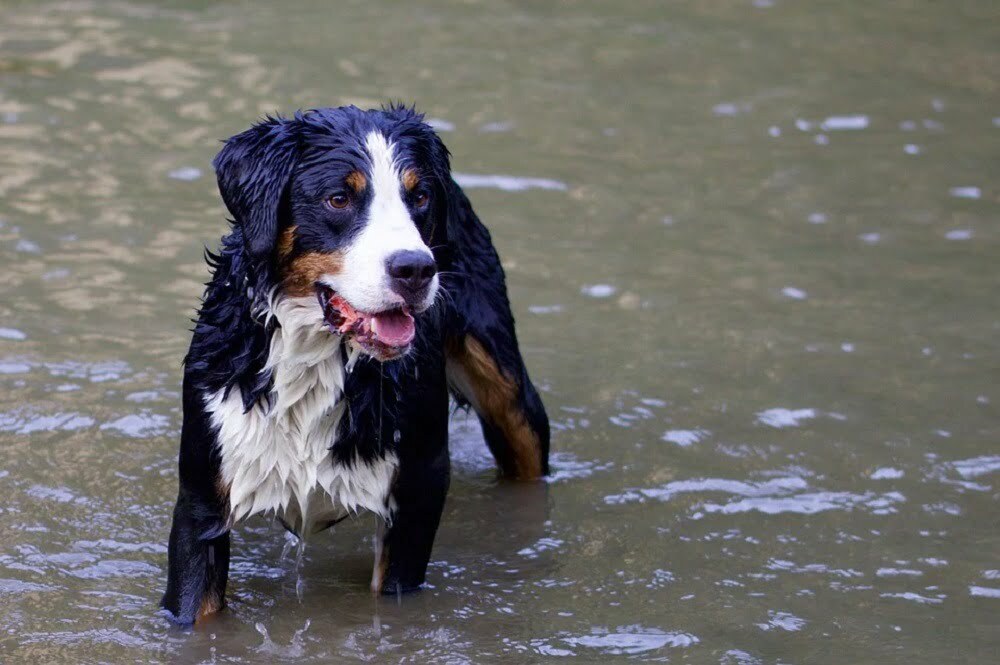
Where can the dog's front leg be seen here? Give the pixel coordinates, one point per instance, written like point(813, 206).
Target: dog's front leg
point(198, 562)
point(403, 544)
point(198, 553)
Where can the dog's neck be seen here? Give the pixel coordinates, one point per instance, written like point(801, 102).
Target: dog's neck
point(276, 456)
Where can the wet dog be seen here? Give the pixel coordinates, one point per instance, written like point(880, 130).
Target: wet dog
point(356, 290)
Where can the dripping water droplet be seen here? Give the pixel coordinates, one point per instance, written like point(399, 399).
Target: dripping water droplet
point(289, 541)
point(300, 584)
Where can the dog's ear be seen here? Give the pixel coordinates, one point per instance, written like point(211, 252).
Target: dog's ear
point(253, 170)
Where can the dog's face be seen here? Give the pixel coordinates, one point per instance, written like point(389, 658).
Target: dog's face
point(360, 202)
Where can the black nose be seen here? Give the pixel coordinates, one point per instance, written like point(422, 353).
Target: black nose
point(410, 273)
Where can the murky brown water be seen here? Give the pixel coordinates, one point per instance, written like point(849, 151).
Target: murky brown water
point(758, 281)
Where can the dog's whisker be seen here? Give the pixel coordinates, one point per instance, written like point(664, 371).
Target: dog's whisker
point(444, 296)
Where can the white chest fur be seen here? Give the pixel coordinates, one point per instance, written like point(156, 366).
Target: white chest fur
point(277, 459)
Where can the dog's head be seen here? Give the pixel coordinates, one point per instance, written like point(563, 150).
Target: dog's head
point(345, 207)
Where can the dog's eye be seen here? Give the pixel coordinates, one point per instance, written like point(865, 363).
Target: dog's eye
point(338, 201)
point(420, 199)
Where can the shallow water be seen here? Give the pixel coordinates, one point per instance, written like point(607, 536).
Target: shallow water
point(752, 249)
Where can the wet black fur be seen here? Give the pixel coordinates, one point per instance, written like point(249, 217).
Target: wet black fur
point(266, 176)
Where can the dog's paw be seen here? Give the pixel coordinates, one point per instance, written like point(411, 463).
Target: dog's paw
point(397, 587)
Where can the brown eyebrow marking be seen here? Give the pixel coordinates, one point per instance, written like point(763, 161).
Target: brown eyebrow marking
point(410, 179)
point(357, 181)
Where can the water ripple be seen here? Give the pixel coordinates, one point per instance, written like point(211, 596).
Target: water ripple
point(507, 183)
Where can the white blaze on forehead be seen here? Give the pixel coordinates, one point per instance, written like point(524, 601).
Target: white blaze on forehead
point(385, 173)
point(388, 229)
point(388, 214)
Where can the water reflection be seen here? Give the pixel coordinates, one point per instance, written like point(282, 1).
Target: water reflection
point(711, 263)
point(506, 183)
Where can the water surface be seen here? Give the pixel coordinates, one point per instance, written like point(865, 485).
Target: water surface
point(752, 249)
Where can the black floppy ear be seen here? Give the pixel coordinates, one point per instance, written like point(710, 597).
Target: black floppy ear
point(253, 170)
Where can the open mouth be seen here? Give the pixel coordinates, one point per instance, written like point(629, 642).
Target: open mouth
point(384, 335)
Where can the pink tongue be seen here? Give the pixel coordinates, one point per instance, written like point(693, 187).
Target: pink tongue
point(393, 328)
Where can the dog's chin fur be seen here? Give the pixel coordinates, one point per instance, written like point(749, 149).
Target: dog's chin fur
point(275, 457)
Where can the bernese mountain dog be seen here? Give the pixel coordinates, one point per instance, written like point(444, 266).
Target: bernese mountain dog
point(355, 291)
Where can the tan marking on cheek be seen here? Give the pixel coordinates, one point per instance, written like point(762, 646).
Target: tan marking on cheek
point(495, 393)
point(357, 181)
point(299, 277)
point(286, 242)
point(410, 179)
